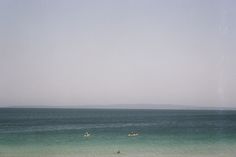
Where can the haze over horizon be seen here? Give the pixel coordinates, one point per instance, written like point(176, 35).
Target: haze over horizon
point(83, 53)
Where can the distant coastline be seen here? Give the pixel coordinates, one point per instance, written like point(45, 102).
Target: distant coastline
point(125, 106)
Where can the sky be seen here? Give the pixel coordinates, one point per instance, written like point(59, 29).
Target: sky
point(113, 52)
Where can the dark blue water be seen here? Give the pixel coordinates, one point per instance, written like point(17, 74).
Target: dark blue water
point(181, 122)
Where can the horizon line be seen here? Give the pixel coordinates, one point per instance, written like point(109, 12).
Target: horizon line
point(170, 107)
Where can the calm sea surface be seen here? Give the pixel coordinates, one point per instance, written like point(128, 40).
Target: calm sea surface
point(167, 133)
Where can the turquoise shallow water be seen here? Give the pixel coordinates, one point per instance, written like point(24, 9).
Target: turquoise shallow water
point(167, 133)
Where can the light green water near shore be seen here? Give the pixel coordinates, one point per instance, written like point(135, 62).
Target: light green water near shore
point(73, 145)
point(195, 150)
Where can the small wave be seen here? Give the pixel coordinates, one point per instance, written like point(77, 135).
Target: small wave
point(73, 127)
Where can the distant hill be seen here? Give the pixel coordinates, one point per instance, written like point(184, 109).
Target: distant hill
point(129, 106)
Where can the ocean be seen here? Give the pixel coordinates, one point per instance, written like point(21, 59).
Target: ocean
point(26, 132)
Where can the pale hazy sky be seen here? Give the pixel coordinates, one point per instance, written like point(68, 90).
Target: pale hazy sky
point(88, 52)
